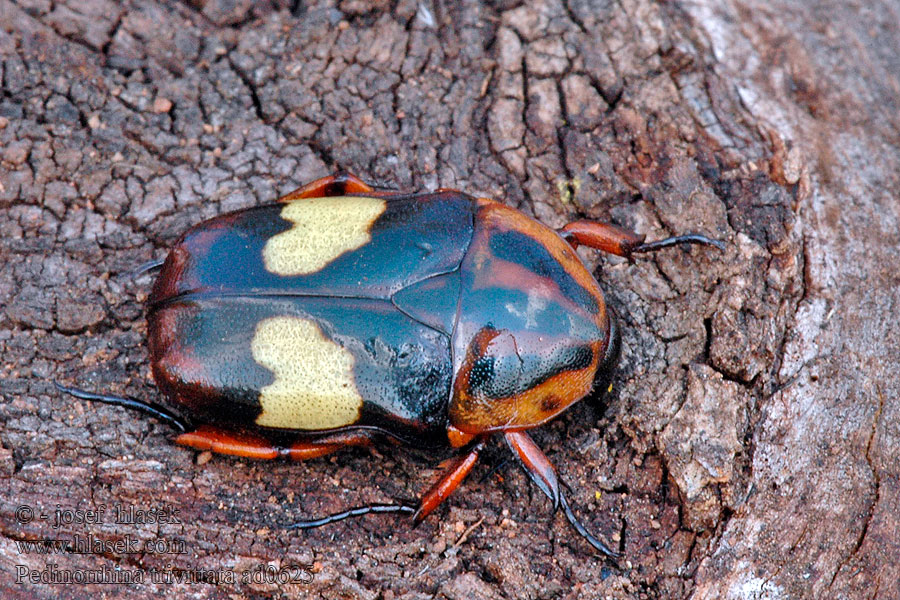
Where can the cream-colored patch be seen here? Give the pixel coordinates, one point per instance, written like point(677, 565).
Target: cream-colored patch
point(314, 386)
point(324, 228)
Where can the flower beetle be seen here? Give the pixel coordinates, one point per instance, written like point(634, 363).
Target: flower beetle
point(343, 312)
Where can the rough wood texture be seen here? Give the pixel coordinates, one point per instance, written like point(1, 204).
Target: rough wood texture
point(749, 448)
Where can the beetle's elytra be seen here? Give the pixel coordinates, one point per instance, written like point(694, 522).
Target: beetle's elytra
point(343, 312)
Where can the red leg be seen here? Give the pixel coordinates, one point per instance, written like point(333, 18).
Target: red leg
point(206, 437)
point(542, 473)
point(457, 470)
point(601, 236)
point(449, 481)
point(251, 445)
point(305, 449)
point(536, 464)
point(622, 242)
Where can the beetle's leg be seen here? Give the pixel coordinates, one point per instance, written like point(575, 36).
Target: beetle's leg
point(542, 473)
point(457, 470)
point(158, 412)
point(150, 265)
point(252, 445)
point(221, 441)
point(450, 479)
point(536, 464)
point(621, 242)
point(602, 236)
point(353, 512)
point(339, 184)
point(304, 449)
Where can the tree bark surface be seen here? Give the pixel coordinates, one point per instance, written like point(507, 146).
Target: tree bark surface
point(748, 449)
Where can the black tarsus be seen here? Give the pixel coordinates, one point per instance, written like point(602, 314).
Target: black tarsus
point(587, 535)
point(150, 265)
point(493, 470)
point(692, 238)
point(558, 498)
point(155, 411)
point(353, 512)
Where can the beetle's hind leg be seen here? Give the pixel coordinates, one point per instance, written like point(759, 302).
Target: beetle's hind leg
point(150, 265)
point(223, 441)
point(542, 473)
point(158, 412)
point(621, 242)
point(252, 445)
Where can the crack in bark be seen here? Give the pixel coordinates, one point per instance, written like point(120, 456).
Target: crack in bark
point(251, 88)
point(876, 476)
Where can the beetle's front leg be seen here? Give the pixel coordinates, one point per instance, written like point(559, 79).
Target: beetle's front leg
point(542, 473)
point(449, 481)
point(621, 242)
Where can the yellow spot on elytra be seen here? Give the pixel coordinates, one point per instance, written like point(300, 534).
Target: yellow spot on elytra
point(314, 386)
point(609, 389)
point(324, 229)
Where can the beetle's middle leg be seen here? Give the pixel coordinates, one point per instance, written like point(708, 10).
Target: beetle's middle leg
point(443, 487)
point(621, 242)
point(252, 445)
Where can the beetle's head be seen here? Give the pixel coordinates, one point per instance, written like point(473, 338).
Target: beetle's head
point(520, 379)
point(533, 334)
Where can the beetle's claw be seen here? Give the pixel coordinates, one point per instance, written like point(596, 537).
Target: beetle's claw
point(587, 535)
point(417, 518)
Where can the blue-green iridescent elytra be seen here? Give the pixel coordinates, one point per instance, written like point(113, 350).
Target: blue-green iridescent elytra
point(451, 317)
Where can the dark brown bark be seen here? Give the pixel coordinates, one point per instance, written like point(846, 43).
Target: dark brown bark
point(749, 447)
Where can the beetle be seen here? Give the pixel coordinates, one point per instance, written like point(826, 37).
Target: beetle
point(343, 312)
